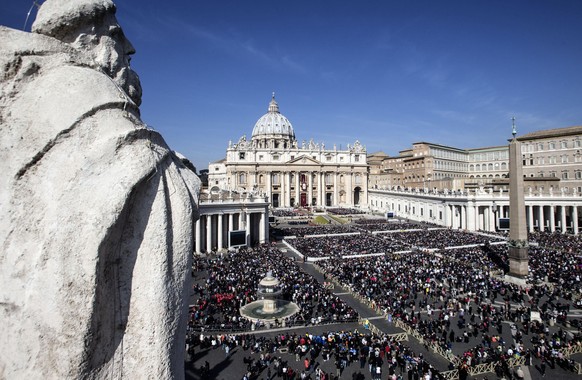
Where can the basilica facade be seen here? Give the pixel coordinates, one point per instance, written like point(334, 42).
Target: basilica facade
point(291, 173)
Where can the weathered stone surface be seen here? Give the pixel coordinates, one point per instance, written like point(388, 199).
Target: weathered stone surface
point(97, 215)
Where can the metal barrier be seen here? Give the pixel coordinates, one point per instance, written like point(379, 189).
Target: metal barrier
point(399, 337)
point(568, 351)
point(450, 375)
point(490, 367)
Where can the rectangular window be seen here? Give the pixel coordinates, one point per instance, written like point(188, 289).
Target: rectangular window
point(241, 156)
point(564, 175)
point(564, 144)
point(357, 158)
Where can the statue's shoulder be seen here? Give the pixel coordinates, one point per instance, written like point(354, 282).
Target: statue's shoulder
point(44, 74)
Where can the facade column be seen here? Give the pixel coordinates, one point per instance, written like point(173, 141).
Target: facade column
point(310, 189)
point(350, 190)
point(297, 187)
point(552, 219)
point(269, 188)
point(563, 218)
point(248, 229)
point(575, 219)
point(208, 233)
point(530, 218)
point(542, 222)
point(287, 189)
point(319, 189)
point(335, 190)
point(197, 237)
point(282, 193)
point(463, 217)
point(219, 232)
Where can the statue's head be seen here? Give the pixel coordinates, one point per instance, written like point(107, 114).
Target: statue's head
point(91, 26)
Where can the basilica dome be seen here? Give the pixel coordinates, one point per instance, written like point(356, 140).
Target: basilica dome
point(273, 125)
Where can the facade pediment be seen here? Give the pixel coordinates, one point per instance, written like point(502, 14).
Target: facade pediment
point(303, 160)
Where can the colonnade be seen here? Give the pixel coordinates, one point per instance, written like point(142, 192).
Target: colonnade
point(212, 229)
point(474, 212)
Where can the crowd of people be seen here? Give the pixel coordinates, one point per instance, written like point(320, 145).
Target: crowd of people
point(440, 238)
point(377, 224)
point(341, 245)
point(451, 299)
point(288, 213)
point(455, 299)
point(345, 211)
point(396, 241)
point(300, 356)
point(329, 229)
point(231, 281)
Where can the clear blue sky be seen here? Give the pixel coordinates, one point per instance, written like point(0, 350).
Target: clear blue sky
point(388, 73)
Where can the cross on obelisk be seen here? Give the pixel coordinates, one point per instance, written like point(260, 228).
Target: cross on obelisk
point(518, 243)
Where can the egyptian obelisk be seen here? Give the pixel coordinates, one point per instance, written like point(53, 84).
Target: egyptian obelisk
point(518, 242)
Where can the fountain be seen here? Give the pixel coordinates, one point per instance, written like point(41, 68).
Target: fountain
point(268, 307)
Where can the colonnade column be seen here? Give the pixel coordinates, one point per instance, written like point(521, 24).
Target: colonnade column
point(463, 218)
point(219, 232)
point(470, 217)
point(552, 218)
point(248, 229)
point(530, 218)
point(197, 236)
point(262, 228)
point(491, 218)
point(563, 218)
point(208, 233)
point(575, 219)
point(542, 222)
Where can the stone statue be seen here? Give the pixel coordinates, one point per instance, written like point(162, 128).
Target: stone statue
point(97, 211)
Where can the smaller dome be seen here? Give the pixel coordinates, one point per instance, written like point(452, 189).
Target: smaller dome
point(273, 124)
